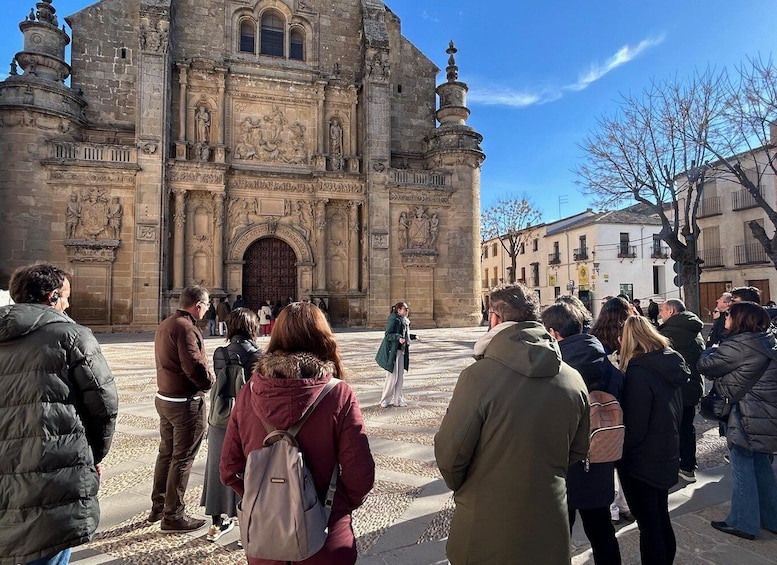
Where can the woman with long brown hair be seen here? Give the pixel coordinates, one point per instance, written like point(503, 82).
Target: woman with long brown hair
point(652, 408)
point(301, 358)
point(744, 370)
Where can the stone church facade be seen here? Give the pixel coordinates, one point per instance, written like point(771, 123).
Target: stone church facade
point(269, 148)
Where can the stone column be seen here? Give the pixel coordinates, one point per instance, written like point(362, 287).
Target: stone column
point(218, 242)
point(179, 236)
point(182, 81)
point(222, 115)
point(354, 257)
point(354, 129)
point(321, 240)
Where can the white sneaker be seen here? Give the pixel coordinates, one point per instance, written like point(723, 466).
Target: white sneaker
point(401, 403)
point(215, 532)
point(384, 404)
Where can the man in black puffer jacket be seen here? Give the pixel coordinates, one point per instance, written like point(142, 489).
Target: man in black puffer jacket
point(683, 328)
point(57, 416)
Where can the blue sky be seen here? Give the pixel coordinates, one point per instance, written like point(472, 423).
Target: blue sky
point(540, 72)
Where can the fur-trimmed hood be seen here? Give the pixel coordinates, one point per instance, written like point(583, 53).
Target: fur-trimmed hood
point(284, 385)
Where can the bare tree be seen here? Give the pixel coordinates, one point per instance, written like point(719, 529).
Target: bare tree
point(511, 219)
point(653, 151)
point(744, 144)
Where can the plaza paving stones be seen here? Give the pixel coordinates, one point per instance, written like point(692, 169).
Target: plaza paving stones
point(405, 519)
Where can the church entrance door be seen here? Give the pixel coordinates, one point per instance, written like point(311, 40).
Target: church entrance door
point(269, 272)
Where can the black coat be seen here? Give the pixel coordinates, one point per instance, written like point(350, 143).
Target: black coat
point(593, 488)
point(684, 332)
point(652, 409)
point(740, 361)
point(57, 416)
point(718, 331)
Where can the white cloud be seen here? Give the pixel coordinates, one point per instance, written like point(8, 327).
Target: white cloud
point(624, 55)
point(425, 15)
point(496, 95)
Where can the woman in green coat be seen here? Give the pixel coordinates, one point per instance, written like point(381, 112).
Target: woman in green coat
point(394, 355)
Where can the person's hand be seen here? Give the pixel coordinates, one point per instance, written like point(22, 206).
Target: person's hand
point(715, 314)
point(402, 340)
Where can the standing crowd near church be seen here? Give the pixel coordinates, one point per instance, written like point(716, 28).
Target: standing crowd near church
point(559, 416)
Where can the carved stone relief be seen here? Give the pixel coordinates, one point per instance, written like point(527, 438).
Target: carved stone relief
point(154, 35)
point(90, 214)
point(271, 138)
point(337, 245)
point(418, 229)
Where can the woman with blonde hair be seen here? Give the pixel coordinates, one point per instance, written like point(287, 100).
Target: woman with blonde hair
point(301, 358)
point(652, 408)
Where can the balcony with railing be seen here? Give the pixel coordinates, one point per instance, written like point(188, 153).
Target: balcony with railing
point(493, 282)
point(581, 254)
point(750, 253)
point(74, 151)
point(709, 207)
point(554, 258)
point(411, 177)
point(743, 199)
point(627, 251)
point(712, 257)
point(659, 252)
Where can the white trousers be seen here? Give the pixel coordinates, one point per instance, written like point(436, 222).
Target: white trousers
point(392, 388)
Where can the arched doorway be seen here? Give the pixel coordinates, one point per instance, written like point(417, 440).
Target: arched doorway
point(269, 272)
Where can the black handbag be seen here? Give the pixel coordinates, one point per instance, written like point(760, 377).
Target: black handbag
point(715, 407)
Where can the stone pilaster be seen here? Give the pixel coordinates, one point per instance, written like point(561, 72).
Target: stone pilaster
point(321, 241)
point(218, 242)
point(354, 257)
point(179, 238)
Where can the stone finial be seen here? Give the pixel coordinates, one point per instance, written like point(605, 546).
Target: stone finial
point(453, 70)
point(14, 70)
point(31, 17)
point(46, 13)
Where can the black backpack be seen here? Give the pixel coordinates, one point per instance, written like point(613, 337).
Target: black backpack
point(229, 380)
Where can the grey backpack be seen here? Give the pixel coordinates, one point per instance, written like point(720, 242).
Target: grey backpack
point(281, 517)
point(229, 381)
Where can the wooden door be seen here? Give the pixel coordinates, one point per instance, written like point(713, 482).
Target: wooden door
point(269, 272)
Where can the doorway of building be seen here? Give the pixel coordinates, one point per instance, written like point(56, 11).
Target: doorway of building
point(709, 292)
point(763, 286)
point(269, 272)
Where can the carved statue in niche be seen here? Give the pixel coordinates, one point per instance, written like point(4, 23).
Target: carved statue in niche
point(72, 216)
point(418, 230)
point(336, 144)
point(404, 226)
point(202, 121)
point(337, 260)
point(115, 215)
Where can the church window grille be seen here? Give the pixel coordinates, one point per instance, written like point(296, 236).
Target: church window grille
point(297, 46)
point(247, 37)
point(272, 35)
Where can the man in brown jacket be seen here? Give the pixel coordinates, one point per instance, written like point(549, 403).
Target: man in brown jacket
point(517, 419)
point(182, 376)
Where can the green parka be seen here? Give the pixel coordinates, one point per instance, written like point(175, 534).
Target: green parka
point(518, 418)
point(57, 416)
point(387, 352)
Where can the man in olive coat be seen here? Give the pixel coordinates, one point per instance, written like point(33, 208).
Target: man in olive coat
point(518, 418)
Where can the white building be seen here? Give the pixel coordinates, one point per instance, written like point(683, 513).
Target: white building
point(591, 255)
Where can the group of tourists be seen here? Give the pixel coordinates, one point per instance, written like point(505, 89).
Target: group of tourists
point(518, 444)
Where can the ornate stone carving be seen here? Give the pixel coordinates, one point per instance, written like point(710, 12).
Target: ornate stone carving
point(281, 186)
point(419, 258)
point(202, 122)
point(195, 176)
point(179, 215)
point(336, 144)
point(270, 138)
point(342, 187)
point(378, 166)
point(146, 233)
point(242, 212)
point(378, 66)
point(148, 147)
point(90, 215)
point(380, 240)
point(154, 35)
point(430, 196)
point(418, 229)
point(90, 251)
point(77, 177)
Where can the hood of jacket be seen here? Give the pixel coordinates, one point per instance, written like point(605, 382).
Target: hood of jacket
point(586, 354)
point(527, 349)
point(18, 320)
point(284, 385)
point(685, 321)
point(664, 362)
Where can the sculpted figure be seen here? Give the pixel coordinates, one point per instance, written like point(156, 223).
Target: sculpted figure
point(73, 215)
point(115, 215)
point(202, 119)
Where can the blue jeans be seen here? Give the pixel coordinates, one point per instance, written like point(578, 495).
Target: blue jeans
point(754, 497)
point(61, 558)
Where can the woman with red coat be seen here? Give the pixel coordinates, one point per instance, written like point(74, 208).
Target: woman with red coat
point(301, 358)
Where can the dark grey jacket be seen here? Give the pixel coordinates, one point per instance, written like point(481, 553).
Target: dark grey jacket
point(684, 332)
point(57, 415)
point(739, 361)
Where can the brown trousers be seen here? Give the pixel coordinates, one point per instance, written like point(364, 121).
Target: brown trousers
point(182, 427)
